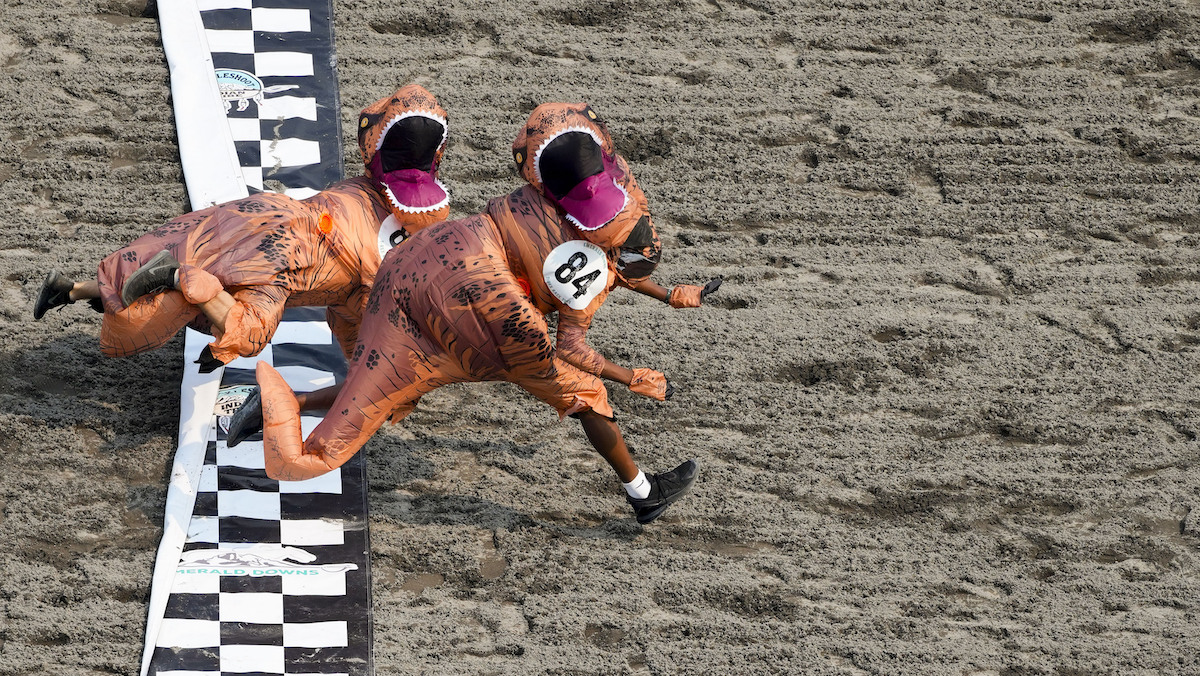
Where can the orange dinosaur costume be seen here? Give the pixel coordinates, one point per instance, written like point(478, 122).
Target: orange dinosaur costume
point(270, 251)
point(466, 301)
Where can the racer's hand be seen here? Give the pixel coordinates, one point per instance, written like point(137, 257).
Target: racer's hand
point(245, 421)
point(686, 295)
point(651, 383)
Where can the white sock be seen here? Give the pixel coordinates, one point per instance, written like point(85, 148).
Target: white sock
point(638, 488)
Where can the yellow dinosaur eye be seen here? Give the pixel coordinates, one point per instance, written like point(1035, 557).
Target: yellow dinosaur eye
point(591, 113)
point(520, 158)
point(364, 122)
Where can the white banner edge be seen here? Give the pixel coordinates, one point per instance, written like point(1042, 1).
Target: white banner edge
point(213, 175)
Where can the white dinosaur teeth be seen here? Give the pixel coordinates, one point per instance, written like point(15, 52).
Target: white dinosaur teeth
point(412, 113)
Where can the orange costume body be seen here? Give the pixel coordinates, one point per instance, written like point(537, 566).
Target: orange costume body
point(270, 251)
point(466, 301)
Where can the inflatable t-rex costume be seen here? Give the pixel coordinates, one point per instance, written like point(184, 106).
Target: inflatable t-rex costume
point(466, 301)
point(252, 257)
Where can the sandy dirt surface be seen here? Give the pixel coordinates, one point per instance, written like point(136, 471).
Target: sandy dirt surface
point(946, 404)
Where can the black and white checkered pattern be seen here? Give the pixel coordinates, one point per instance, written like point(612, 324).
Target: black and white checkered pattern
point(274, 577)
point(284, 134)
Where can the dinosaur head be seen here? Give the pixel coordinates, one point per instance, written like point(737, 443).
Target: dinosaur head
point(402, 138)
point(566, 153)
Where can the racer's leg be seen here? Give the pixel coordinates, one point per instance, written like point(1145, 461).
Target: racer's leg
point(58, 290)
point(606, 438)
point(85, 290)
point(582, 395)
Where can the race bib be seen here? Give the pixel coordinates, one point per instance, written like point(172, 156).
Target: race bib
point(576, 272)
point(391, 233)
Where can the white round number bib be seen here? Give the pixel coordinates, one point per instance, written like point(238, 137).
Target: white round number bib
point(391, 233)
point(576, 272)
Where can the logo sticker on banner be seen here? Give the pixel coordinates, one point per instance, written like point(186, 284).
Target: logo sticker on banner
point(242, 87)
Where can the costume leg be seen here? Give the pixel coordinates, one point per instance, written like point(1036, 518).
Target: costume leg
point(145, 325)
point(391, 369)
point(355, 417)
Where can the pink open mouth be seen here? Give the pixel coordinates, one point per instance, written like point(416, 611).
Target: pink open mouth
point(596, 200)
point(412, 190)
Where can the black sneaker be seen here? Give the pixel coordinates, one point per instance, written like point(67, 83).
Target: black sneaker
point(56, 292)
point(156, 274)
point(246, 421)
point(665, 488)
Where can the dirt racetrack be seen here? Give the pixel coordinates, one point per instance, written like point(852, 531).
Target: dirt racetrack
point(946, 404)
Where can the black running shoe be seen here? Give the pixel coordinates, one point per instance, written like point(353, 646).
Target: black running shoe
point(156, 274)
point(245, 421)
point(56, 292)
point(665, 488)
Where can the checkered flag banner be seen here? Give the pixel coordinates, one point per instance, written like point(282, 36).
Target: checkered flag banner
point(255, 576)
